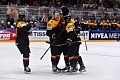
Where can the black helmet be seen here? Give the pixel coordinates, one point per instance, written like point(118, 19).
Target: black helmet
point(65, 10)
point(21, 16)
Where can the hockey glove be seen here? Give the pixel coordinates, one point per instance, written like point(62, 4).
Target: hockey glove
point(69, 42)
point(29, 32)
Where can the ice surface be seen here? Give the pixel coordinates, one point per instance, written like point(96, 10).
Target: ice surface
point(102, 61)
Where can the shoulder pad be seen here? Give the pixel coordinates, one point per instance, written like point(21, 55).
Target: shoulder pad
point(53, 23)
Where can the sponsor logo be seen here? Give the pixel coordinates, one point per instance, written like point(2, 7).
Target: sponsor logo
point(105, 35)
point(84, 35)
point(6, 35)
point(39, 34)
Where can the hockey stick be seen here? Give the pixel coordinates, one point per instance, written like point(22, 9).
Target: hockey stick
point(55, 44)
point(63, 43)
point(42, 18)
point(50, 46)
point(44, 53)
point(85, 42)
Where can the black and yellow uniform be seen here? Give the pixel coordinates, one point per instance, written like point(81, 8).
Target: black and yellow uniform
point(88, 23)
point(56, 32)
point(118, 24)
point(105, 25)
point(73, 49)
point(22, 33)
point(22, 41)
point(93, 25)
point(83, 25)
point(114, 25)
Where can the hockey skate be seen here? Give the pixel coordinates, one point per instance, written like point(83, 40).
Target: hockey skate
point(55, 70)
point(66, 69)
point(27, 69)
point(72, 71)
point(58, 70)
point(82, 68)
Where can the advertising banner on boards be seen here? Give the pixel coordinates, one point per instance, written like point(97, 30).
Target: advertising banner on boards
point(38, 35)
point(102, 35)
point(7, 34)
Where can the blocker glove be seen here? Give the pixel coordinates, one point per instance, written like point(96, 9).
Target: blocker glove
point(69, 42)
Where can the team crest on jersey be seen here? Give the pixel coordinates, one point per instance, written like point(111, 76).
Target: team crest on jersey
point(51, 21)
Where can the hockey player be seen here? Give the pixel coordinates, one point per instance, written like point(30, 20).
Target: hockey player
point(73, 49)
point(22, 40)
point(114, 25)
point(56, 32)
point(83, 24)
point(105, 25)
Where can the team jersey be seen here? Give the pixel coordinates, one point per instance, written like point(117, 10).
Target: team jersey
point(71, 32)
point(22, 33)
point(53, 23)
point(104, 24)
point(56, 27)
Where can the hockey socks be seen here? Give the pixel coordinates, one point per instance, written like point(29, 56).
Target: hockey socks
point(82, 67)
point(80, 61)
point(25, 62)
point(57, 59)
point(53, 60)
point(66, 60)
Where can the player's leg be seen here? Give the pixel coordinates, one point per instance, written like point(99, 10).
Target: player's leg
point(79, 59)
point(71, 52)
point(54, 61)
point(66, 59)
point(26, 62)
point(25, 50)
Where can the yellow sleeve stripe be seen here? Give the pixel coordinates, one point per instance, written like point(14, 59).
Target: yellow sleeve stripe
point(21, 24)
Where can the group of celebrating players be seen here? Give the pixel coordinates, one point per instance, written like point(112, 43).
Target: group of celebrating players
point(61, 29)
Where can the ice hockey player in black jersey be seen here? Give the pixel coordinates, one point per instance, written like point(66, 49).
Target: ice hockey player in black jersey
point(56, 32)
point(73, 49)
point(22, 40)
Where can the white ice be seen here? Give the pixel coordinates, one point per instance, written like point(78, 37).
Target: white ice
point(102, 61)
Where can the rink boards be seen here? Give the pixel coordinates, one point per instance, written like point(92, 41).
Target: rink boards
point(9, 35)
